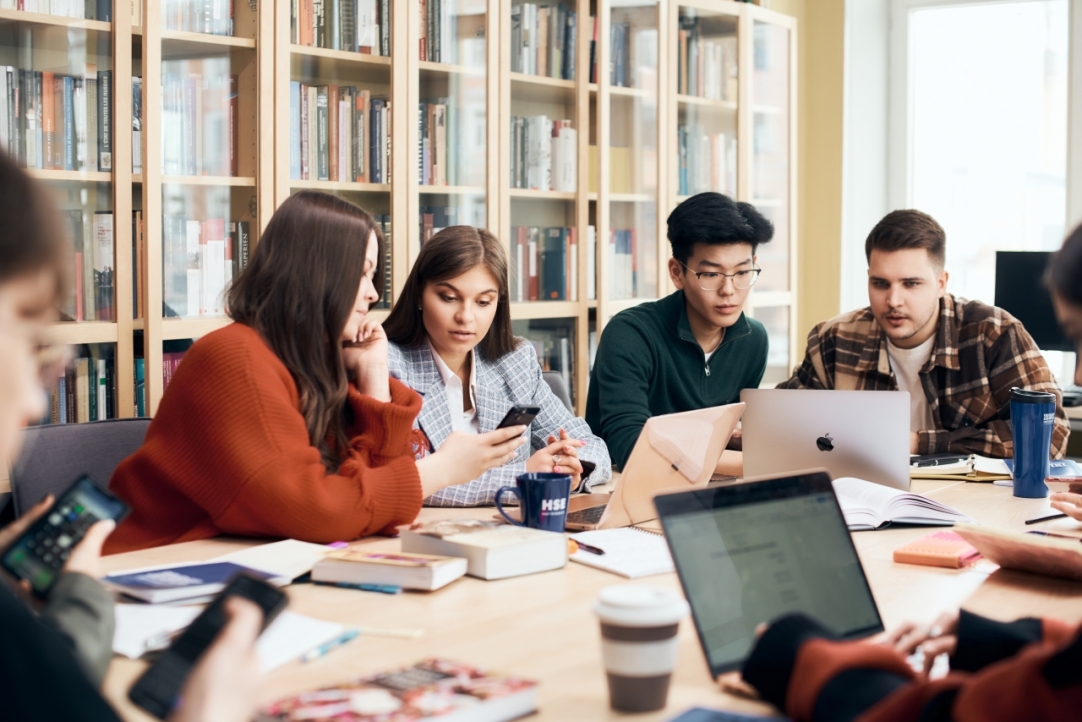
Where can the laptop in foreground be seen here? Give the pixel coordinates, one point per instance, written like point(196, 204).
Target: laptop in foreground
point(750, 553)
point(673, 451)
point(864, 434)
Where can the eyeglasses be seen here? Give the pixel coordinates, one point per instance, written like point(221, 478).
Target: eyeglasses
point(713, 280)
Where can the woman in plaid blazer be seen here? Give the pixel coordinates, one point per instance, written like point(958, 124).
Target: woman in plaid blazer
point(451, 341)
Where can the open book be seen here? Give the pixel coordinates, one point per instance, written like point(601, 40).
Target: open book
point(974, 468)
point(871, 506)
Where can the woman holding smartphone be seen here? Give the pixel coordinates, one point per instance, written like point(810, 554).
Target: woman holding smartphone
point(451, 341)
point(286, 424)
point(52, 663)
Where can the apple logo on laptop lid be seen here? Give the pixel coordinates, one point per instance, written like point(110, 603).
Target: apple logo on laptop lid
point(825, 443)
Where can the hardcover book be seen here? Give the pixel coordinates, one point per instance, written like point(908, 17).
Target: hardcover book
point(410, 571)
point(493, 551)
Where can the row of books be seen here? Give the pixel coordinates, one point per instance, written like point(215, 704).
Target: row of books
point(544, 264)
point(384, 222)
point(707, 161)
point(199, 118)
point(338, 133)
point(91, 295)
point(57, 122)
point(86, 390)
point(200, 258)
point(356, 26)
point(452, 31)
point(544, 154)
point(706, 68)
point(624, 275)
point(437, 152)
point(85, 9)
point(543, 40)
point(197, 16)
point(435, 218)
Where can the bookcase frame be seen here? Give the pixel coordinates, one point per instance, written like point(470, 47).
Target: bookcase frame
point(268, 128)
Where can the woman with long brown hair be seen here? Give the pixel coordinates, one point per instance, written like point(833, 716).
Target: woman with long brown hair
point(286, 423)
point(451, 341)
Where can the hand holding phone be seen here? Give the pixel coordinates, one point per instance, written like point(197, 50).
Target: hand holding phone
point(41, 552)
point(158, 689)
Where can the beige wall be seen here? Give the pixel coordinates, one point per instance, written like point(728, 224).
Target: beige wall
point(820, 70)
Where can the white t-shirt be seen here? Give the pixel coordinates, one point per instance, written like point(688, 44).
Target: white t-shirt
point(461, 419)
point(906, 364)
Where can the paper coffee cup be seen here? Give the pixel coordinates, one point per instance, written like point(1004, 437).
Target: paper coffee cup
point(639, 644)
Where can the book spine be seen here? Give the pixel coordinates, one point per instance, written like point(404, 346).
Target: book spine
point(105, 118)
point(334, 24)
point(137, 125)
point(69, 123)
point(304, 140)
point(322, 120)
point(332, 133)
point(294, 130)
point(385, 28)
point(234, 139)
point(103, 265)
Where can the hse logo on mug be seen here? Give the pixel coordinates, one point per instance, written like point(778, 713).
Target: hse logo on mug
point(554, 504)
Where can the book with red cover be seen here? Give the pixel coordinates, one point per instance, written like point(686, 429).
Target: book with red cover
point(432, 689)
point(941, 549)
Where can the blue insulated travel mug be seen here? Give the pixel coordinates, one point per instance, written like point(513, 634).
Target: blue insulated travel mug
point(1033, 413)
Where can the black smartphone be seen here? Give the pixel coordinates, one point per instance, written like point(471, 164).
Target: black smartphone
point(157, 691)
point(39, 554)
point(519, 416)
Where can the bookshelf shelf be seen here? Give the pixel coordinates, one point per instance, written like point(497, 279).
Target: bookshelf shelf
point(71, 176)
point(767, 202)
point(452, 190)
point(430, 70)
point(727, 105)
point(331, 186)
point(620, 92)
point(342, 56)
point(75, 333)
point(527, 310)
point(187, 41)
point(542, 89)
point(527, 194)
point(631, 197)
point(768, 110)
point(174, 329)
point(208, 180)
point(44, 20)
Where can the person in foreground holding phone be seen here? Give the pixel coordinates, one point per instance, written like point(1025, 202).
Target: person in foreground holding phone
point(287, 423)
point(451, 341)
point(1026, 669)
point(52, 663)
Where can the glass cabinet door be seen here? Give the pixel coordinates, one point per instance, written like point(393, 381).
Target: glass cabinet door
point(451, 116)
point(770, 188)
point(631, 244)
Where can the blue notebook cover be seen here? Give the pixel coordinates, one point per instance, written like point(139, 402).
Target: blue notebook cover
point(1056, 467)
point(192, 575)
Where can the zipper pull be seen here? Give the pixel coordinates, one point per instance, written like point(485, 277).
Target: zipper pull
point(707, 367)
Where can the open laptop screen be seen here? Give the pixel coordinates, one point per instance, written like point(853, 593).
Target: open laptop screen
point(750, 553)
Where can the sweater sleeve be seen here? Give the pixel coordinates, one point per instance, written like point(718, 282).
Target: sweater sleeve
point(623, 370)
point(812, 373)
point(290, 494)
point(81, 611)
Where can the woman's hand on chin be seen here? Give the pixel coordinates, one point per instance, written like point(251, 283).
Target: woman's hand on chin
point(365, 357)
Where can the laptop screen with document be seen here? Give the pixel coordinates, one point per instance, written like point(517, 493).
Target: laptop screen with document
point(750, 553)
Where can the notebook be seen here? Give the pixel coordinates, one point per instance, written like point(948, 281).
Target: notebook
point(974, 468)
point(941, 549)
point(629, 552)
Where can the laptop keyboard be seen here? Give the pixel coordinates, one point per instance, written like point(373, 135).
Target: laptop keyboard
point(586, 516)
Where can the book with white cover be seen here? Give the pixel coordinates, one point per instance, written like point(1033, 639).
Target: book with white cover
point(493, 551)
point(871, 506)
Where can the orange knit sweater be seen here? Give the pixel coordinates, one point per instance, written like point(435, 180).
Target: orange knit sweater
point(228, 453)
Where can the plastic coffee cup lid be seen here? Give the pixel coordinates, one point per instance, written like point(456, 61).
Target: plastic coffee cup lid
point(634, 605)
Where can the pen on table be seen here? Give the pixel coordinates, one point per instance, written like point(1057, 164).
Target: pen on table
point(381, 588)
point(1050, 517)
point(589, 548)
point(1058, 536)
point(335, 643)
point(940, 462)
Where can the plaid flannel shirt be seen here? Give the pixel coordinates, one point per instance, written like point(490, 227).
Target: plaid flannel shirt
point(980, 353)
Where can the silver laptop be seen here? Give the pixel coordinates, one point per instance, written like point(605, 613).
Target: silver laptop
point(850, 433)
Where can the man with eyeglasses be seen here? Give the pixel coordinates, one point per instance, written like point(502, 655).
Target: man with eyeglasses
point(958, 359)
point(694, 348)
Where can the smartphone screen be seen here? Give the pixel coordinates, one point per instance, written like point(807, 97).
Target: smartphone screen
point(158, 689)
point(39, 555)
point(519, 416)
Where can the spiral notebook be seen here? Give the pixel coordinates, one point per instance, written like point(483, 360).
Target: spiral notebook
point(629, 552)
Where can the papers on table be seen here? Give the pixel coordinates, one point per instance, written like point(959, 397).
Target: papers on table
point(288, 558)
point(629, 552)
point(142, 628)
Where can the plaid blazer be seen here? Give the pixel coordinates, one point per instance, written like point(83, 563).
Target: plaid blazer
point(980, 352)
point(514, 379)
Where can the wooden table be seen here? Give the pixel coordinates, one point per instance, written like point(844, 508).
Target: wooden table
point(542, 627)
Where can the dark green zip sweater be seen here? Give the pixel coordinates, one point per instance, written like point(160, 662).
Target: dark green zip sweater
point(648, 363)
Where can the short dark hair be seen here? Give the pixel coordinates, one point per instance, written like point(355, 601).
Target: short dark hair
point(1065, 268)
point(904, 229)
point(446, 255)
point(716, 220)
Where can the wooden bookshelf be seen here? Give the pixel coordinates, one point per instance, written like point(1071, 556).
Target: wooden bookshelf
point(634, 123)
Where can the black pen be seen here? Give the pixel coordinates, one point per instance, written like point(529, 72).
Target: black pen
point(588, 548)
point(1057, 536)
point(1046, 518)
point(940, 462)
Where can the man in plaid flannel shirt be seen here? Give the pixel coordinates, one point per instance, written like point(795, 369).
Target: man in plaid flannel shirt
point(958, 359)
